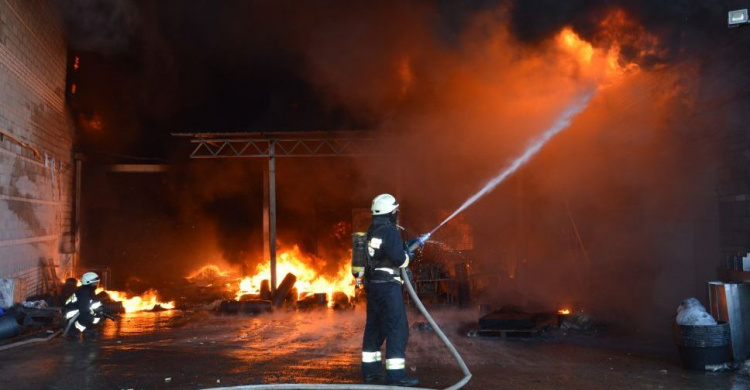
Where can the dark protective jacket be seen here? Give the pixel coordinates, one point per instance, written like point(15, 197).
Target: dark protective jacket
point(385, 249)
point(85, 303)
point(386, 314)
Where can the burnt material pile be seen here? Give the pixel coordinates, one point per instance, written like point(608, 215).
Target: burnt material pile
point(285, 296)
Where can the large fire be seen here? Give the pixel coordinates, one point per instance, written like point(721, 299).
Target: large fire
point(305, 268)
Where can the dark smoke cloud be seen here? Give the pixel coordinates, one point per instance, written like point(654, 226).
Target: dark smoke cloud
point(107, 27)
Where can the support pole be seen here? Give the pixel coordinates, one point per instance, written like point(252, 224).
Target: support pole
point(269, 213)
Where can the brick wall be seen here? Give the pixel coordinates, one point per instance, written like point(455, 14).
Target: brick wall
point(36, 141)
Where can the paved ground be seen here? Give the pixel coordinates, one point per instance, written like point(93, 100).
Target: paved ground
point(192, 350)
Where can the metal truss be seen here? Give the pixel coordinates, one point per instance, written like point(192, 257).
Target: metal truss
point(245, 145)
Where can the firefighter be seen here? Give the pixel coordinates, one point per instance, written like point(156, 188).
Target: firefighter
point(386, 313)
point(83, 310)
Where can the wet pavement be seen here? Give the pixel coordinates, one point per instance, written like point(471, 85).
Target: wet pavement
point(193, 350)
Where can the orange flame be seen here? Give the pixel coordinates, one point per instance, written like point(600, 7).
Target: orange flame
point(563, 311)
point(144, 302)
point(309, 280)
point(209, 271)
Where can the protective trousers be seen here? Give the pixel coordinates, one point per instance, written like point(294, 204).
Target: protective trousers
point(386, 320)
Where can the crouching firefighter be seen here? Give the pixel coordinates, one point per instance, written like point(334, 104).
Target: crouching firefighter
point(83, 310)
point(386, 313)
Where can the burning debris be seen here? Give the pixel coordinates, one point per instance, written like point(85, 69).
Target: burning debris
point(304, 285)
point(512, 321)
point(119, 301)
point(304, 269)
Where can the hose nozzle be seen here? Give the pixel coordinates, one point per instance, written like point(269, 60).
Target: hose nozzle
point(419, 242)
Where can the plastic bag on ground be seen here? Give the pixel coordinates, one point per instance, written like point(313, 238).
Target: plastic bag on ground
point(691, 312)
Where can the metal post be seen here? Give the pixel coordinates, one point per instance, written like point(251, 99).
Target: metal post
point(272, 204)
point(272, 212)
point(266, 219)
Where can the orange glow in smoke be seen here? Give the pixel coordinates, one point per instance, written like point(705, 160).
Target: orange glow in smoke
point(563, 311)
point(304, 267)
point(144, 302)
point(602, 61)
point(406, 75)
point(570, 41)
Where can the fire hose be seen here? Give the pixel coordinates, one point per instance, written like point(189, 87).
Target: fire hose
point(425, 313)
point(70, 323)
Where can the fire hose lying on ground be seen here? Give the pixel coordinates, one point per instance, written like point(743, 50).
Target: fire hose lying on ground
point(425, 313)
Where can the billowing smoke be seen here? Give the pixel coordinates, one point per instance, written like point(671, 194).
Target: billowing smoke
point(107, 27)
point(607, 217)
point(616, 215)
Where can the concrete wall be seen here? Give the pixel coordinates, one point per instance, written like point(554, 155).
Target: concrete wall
point(36, 143)
point(734, 187)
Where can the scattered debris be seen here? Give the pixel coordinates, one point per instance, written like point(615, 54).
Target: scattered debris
point(253, 307)
point(214, 306)
point(341, 301)
point(284, 289)
point(167, 380)
point(721, 367)
point(35, 304)
point(423, 327)
point(313, 301)
point(577, 321)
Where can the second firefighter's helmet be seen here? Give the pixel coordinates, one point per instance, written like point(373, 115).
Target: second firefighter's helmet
point(384, 204)
point(89, 278)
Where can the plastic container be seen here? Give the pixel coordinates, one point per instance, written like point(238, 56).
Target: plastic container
point(9, 327)
point(702, 345)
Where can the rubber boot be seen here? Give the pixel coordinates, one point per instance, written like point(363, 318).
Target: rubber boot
point(90, 335)
point(399, 378)
point(371, 372)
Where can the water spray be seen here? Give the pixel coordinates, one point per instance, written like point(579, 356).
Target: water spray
point(560, 124)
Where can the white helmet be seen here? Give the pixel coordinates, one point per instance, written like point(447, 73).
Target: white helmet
point(89, 278)
point(384, 204)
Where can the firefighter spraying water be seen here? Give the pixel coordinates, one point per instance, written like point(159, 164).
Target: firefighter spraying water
point(366, 247)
